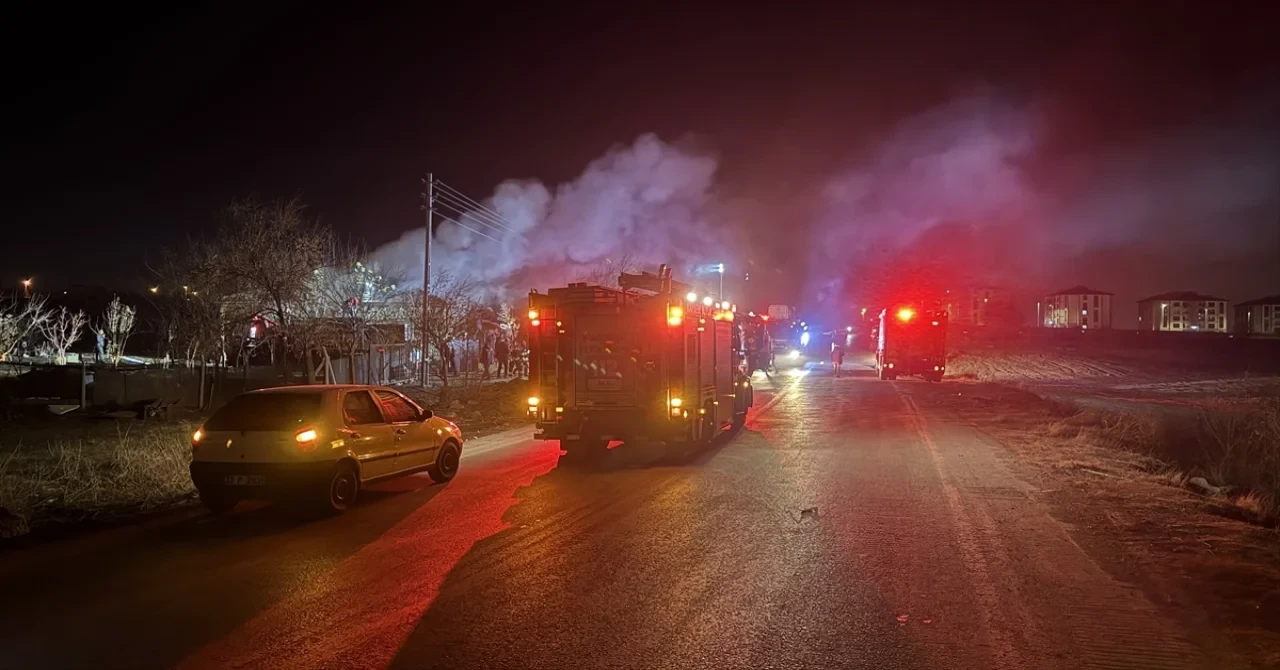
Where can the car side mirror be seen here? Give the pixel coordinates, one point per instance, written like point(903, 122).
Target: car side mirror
point(426, 414)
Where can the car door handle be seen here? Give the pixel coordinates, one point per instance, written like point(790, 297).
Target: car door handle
point(399, 431)
point(351, 434)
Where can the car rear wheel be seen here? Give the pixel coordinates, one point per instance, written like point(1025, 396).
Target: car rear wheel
point(446, 465)
point(217, 502)
point(343, 487)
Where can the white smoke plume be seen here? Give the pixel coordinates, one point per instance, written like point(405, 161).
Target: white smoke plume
point(956, 164)
point(651, 201)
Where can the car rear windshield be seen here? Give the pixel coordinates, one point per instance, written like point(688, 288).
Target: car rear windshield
point(266, 411)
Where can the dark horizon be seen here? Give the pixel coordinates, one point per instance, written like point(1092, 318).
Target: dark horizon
point(1121, 149)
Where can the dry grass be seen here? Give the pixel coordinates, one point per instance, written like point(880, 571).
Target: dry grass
point(479, 409)
point(1236, 447)
point(75, 480)
point(1241, 451)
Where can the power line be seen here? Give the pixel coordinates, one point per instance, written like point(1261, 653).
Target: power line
point(462, 225)
point(470, 201)
point(479, 217)
point(467, 213)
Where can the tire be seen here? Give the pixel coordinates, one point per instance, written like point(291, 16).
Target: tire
point(341, 489)
point(884, 373)
point(708, 425)
point(446, 466)
point(217, 502)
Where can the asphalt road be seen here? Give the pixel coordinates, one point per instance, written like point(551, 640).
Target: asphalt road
point(849, 525)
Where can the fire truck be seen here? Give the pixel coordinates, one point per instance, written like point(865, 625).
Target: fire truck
point(650, 361)
point(912, 341)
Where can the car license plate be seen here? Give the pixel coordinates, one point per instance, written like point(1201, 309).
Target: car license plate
point(244, 480)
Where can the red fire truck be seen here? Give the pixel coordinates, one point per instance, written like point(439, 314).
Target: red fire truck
point(651, 361)
point(912, 341)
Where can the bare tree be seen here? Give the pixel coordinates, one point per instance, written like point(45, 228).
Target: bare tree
point(207, 314)
point(18, 318)
point(63, 330)
point(450, 303)
point(115, 327)
point(267, 255)
point(605, 272)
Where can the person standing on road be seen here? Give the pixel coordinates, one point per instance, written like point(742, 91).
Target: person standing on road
point(503, 352)
point(837, 358)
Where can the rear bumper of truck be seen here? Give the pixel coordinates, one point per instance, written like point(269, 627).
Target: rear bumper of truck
point(610, 424)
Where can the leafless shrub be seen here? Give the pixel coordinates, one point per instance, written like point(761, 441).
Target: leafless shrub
point(61, 331)
point(115, 327)
point(19, 317)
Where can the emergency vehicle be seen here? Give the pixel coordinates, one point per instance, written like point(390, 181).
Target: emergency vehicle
point(912, 341)
point(651, 361)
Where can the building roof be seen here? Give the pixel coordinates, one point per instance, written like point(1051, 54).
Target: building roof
point(1080, 290)
point(1269, 300)
point(1181, 295)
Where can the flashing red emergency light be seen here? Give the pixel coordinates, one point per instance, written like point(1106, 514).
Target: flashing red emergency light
point(906, 313)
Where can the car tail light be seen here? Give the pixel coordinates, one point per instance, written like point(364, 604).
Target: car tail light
point(196, 437)
point(306, 439)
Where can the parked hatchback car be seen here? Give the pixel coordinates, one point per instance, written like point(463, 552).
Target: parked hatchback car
point(317, 444)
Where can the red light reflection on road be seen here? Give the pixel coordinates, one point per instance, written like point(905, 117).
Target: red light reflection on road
point(361, 613)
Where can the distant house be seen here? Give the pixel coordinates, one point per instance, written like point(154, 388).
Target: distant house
point(1259, 317)
point(1076, 307)
point(1183, 311)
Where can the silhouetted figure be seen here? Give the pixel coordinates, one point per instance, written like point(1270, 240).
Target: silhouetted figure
point(503, 353)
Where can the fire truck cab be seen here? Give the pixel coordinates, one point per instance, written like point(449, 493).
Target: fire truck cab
point(650, 361)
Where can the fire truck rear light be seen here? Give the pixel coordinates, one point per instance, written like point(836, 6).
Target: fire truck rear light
point(559, 410)
point(533, 401)
point(707, 301)
point(535, 323)
point(891, 366)
point(676, 411)
point(533, 314)
point(702, 410)
point(676, 402)
point(675, 315)
point(691, 296)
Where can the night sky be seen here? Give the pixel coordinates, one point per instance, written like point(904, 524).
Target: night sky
point(128, 131)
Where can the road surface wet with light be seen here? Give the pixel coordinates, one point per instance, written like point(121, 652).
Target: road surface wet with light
point(848, 525)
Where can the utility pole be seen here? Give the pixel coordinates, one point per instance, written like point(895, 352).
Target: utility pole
point(428, 206)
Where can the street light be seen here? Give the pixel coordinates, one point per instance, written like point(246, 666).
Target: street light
point(26, 288)
point(720, 269)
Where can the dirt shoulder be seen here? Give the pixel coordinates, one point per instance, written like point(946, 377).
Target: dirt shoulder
point(1108, 477)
